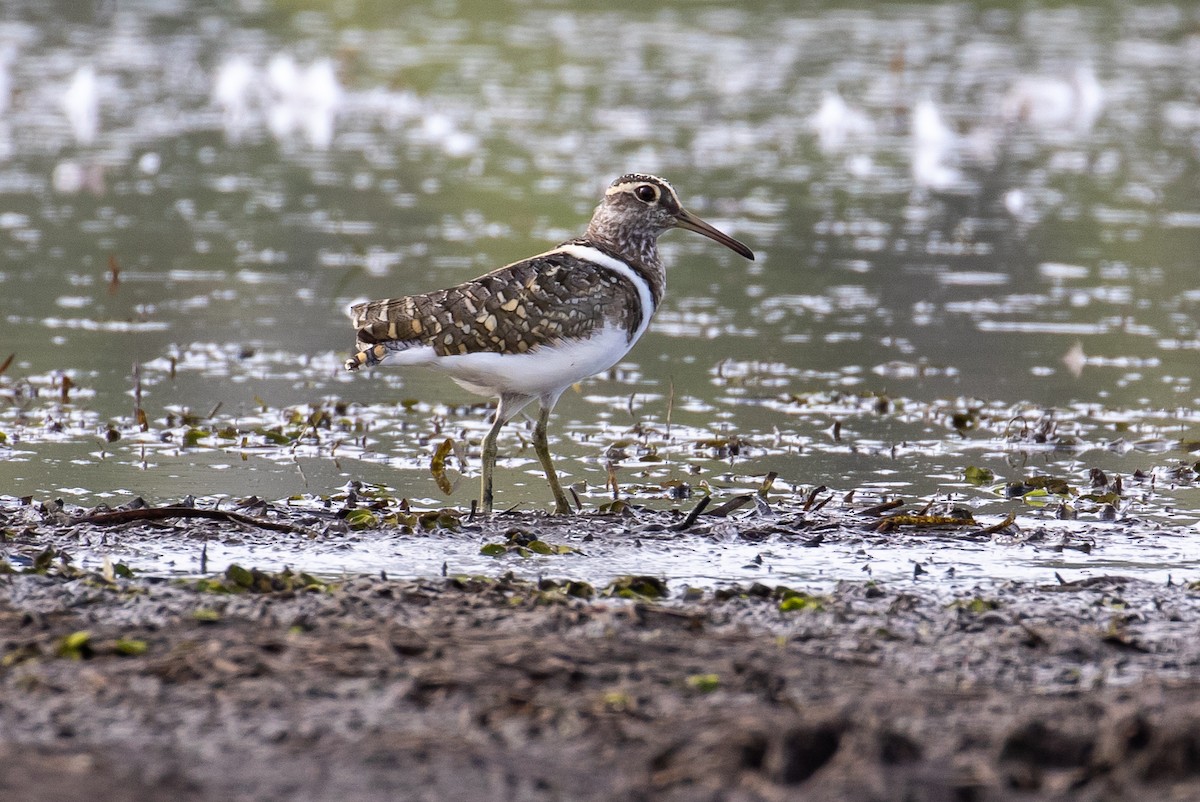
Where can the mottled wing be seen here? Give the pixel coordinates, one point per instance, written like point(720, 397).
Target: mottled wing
point(538, 302)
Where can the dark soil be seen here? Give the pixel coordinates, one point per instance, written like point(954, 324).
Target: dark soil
point(466, 689)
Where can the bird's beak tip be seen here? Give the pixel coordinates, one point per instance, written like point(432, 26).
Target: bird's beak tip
point(687, 220)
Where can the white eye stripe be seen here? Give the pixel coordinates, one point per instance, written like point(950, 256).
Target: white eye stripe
point(621, 188)
point(664, 192)
point(633, 189)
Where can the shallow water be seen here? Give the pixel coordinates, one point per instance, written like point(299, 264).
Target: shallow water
point(986, 257)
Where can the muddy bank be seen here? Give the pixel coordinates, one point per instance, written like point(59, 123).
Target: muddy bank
point(455, 688)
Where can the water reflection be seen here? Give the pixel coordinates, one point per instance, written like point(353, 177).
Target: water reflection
point(951, 202)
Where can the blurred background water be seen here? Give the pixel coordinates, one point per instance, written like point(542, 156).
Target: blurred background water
point(977, 228)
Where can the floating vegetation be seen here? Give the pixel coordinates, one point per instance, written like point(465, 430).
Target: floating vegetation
point(976, 605)
point(974, 475)
point(524, 543)
point(570, 587)
point(641, 588)
point(703, 683)
point(798, 601)
point(956, 517)
point(788, 599)
point(237, 579)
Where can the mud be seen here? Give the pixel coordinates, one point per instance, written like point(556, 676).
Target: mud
point(269, 686)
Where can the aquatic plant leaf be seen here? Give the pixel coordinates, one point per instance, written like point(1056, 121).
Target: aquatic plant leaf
point(704, 683)
point(437, 466)
point(617, 700)
point(75, 646)
point(894, 522)
point(361, 519)
point(579, 589)
point(129, 647)
point(193, 436)
point(618, 507)
point(799, 601)
point(273, 435)
point(965, 420)
point(210, 586)
point(978, 476)
point(44, 560)
point(976, 605)
point(637, 587)
point(440, 519)
point(239, 576)
point(1038, 486)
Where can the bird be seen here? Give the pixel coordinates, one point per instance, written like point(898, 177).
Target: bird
point(81, 103)
point(836, 123)
point(1052, 104)
point(529, 330)
point(934, 148)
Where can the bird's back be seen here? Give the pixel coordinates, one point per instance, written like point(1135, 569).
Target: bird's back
point(539, 302)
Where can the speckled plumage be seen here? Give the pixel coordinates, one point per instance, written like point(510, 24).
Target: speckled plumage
point(533, 303)
point(529, 330)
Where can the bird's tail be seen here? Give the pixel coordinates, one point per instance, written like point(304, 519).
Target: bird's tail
point(367, 357)
point(384, 327)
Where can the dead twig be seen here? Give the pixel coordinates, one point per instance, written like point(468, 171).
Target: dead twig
point(729, 506)
point(163, 513)
point(693, 515)
point(991, 530)
point(880, 509)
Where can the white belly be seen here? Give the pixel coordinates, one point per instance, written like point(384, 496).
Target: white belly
point(545, 371)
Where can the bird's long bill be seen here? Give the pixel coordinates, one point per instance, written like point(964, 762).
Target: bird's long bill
point(686, 219)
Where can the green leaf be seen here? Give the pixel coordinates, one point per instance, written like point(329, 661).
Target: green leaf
point(976, 605)
point(75, 646)
point(438, 466)
point(128, 647)
point(704, 683)
point(274, 435)
point(637, 587)
point(578, 589)
point(361, 519)
point(193, 436)
point(978, 476)
point(798, 601)
point(239, 576)
point(45, 559)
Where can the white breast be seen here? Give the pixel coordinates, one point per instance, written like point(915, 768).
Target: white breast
point(544, 371)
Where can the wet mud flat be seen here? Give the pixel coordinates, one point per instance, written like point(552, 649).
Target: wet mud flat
point(250, 685)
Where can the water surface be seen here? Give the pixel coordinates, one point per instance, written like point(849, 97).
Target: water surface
point(984, 256)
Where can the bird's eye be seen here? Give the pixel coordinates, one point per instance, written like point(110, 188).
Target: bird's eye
point(646, 193)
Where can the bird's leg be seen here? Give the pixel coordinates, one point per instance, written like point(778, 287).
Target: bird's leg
point(510, 404)
point(488, 456)
point(542, 448)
